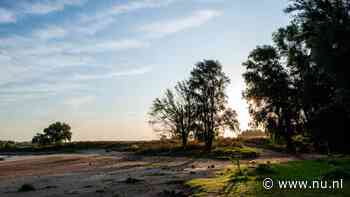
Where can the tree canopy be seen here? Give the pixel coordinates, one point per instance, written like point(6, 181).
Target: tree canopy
point(299, 85)
point(198, 107)
point(56, 133)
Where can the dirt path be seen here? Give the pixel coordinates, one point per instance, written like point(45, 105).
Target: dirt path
point(105, 174)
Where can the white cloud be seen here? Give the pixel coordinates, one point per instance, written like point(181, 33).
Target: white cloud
point(107, 45)
point(76, 102)
point(48, 6)
point(40, 7)
point(132, 72)
point(27, 58)
point(196, 19)
point(7, 16)
point(37, 46)
point(135, 5)
point(93, 23)
point(91, 28)
point(50, 32)
point(125, 8)
point(33, 57)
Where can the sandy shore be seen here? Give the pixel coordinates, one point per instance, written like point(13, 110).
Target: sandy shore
point(100, 174)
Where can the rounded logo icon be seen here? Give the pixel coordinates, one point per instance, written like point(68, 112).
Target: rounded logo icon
point(267, 183)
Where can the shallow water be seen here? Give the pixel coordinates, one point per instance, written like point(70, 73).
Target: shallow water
point(3, 157)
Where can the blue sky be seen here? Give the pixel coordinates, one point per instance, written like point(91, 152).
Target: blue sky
point(98, 65)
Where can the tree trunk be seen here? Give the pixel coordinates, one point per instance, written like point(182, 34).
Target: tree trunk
point(184, 141)
point(209, 141)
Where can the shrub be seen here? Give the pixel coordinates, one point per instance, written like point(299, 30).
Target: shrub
point(131, 180)
point(303, 143)
point(243, 152)
point(172, 193)
point(263, 169)
point(337, 173)
point(26, 188)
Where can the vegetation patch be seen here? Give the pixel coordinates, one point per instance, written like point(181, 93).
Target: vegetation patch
point(172, 193)
point(248, 180)
point(100, 191)
point(156, 174)
point(236, 152)
point(263, 169)
point(131, 180)
point(26, 188)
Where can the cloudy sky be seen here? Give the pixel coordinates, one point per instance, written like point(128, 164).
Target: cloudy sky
point(99, 64)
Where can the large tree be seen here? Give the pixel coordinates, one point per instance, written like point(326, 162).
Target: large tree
point(54, 133)
point(207, 84)
point(174, 114)
point(270, 93)
point(325, 28)
point(300, 85)
point(197, 107)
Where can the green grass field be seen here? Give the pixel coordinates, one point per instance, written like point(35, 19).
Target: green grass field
point(249, 182)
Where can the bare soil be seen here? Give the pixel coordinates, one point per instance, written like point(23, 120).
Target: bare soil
point(112, 174)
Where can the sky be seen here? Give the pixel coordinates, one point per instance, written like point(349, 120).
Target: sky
point(98, 65)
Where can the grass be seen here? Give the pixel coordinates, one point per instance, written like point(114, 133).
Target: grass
point(239, 152)
point(223, 148)
point(23, 148)
point(249, 183)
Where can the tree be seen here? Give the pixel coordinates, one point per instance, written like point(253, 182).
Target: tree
point(197, 107)
point(300, 85)
point(325, 28)
point(229, 119)
point(207, 84)
point(175, 113)
point(41, 139)
point(270, 93)
point(55, 133)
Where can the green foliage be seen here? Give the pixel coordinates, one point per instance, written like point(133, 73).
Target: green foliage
point(172, 193)
point(263, 169)
point(131, 180)
point(337, 173)
point(236, 152)
point(175, 113)
point(55, 133)
point(26, 188)
point(303, 143)
point(249, 181)
point(207, 84)
point(197, 108)
point(7, 145)
point(300, 85)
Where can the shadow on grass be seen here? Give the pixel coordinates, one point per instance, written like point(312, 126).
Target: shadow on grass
point(249, 182)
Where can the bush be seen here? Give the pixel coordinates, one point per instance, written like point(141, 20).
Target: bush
point(172, 193)
point(303, 143)
point(263, 169)
point(26, 188)
point(337, 173)
point(241, 152)
point(7, 145)
point(131, 180)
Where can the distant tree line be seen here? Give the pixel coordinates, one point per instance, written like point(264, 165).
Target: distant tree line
point(197, 107)
point(300, 85)
point(56, 133)
point(7, 144)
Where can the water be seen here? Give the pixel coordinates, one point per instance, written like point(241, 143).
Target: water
point(7, 157)
point(3, 157)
